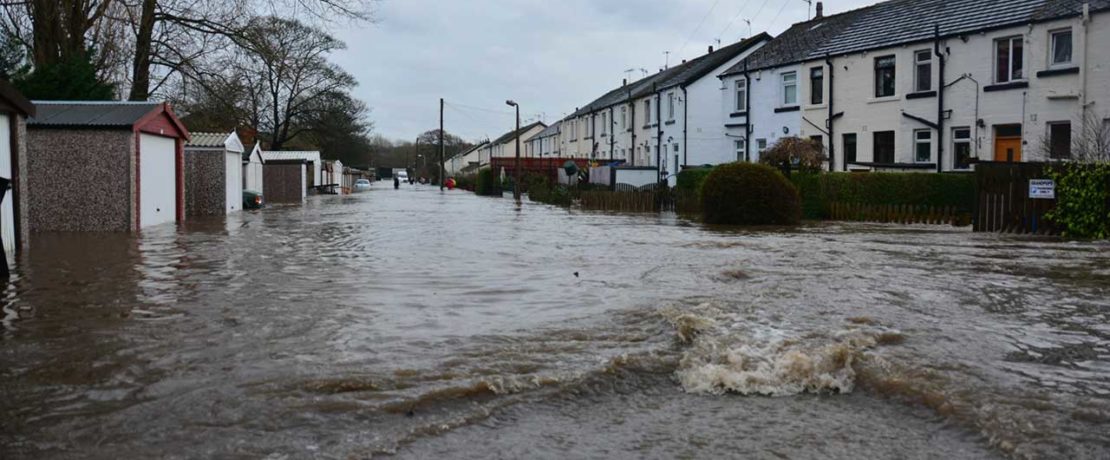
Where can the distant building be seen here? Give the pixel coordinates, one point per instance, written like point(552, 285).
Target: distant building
point(505, 146)
point(311, 159)
point(252, 169)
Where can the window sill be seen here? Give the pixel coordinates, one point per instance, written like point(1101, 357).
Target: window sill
point(743, 113)
point(787, 109)
point(921, 95)
point(816, 106)
point(1052, 72)
point(880, 100)
point(671, 122)
point(1006, 86)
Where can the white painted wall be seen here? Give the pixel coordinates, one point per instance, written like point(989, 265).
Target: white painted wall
point(766, 93)
point(234, 181)
point(157, 180)
point(1047, 99)
point(7, 210)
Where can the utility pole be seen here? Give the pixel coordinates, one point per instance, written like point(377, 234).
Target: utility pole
point(516, 172)
point(441, 169)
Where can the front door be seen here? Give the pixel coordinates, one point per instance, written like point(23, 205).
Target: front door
point(1007, 149)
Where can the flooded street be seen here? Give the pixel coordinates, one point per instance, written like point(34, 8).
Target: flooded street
point(427, 325)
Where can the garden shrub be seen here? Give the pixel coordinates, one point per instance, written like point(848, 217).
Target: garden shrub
point(487, 183)
point(1082, 200)
point(805, 155)
point(690, 179)
point(749, 194)
point(820, 190)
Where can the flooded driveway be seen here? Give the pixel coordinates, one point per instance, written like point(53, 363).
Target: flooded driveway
point(427, 324)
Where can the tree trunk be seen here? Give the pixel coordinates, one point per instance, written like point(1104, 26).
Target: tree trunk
point(140, 69)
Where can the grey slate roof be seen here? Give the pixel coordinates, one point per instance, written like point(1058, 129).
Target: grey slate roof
point(552, 130)
point(513, 134)
point(112, 114)
point(682, 74)
point(207, 140)
point(898, 22)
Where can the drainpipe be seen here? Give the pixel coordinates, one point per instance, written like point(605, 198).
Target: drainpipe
point(612, 134)
point(940, 99)
point(748, 130)
point(829, 123)
point(685, 129)
point(632, 149)
point(1086, 21)
point(658, 132)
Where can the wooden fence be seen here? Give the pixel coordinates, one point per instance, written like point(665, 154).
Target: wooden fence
point(1003, 203)
point(900, 214)
point(619, 201)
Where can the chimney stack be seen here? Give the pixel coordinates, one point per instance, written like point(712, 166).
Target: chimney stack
point(820, 11)
point(710, 49)
point(624, 82)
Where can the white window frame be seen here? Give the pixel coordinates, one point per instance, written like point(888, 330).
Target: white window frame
point(761, 145)
point(918, 62)
point(740, 95)
point(604, 123)
point(670, 106)
point(648, 114)
point(1009, 77)
point(784, 84)
point(1052, 34)
point(741, 149)
point(956, 141)
point(624, 117)
point(875, 72)
point(917, 141)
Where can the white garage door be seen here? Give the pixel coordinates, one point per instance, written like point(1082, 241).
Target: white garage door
point(234, 181)
point(7, 213)
point(157, 180)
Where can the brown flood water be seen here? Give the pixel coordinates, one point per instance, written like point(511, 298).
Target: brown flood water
point(424, 324)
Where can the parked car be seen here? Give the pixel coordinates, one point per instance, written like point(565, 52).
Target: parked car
point(252, 200)
point(362, 185)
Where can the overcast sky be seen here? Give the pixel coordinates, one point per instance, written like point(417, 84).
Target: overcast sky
point(551, 56)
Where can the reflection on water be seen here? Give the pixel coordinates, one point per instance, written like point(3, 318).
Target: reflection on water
point(443, 324)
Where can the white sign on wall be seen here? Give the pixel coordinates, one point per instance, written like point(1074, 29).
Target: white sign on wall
point(1042, 189)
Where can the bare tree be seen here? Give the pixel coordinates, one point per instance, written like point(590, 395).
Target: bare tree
point(1089, 142)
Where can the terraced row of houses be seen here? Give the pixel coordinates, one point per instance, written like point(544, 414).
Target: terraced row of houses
point(929, 85)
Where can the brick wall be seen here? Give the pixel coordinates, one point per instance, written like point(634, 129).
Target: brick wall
point(205, 174)
point(79, 180)
point(283, 183)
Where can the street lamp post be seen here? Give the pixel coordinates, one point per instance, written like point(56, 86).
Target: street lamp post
point(516, 178)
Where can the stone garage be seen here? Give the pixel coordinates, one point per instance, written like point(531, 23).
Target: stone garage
point(213, 174)
point(103, 167)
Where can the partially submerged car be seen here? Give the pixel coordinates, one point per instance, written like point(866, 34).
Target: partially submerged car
point(252, 200)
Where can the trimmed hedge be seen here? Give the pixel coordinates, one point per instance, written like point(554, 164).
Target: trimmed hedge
point(487, 183)
point(749, 194)
point(690, 179)
point(819, 191)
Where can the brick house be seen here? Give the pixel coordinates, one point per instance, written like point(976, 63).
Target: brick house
point(103, 167)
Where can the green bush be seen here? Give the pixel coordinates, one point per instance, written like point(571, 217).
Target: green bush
point(749, 194)
point(690, 179)
point(541, 190)
point(487, 183)
point(1082, 200)
point(820, 190)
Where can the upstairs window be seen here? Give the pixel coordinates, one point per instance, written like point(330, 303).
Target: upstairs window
point(648, 116)
point(1008, 60)
point(790, 88)
point(624, 117)
point(1061, 47)
point(884, 76)
point(670, 106)
point(741, 95)
point(604, 124)
point(816, 85)
point(923, 70)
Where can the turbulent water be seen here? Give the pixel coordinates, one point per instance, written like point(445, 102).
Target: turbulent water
point(425, 324)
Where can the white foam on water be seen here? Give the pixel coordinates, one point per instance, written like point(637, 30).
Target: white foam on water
point(731, 355)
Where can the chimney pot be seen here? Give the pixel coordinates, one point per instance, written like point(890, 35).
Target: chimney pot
point(820, 11)
point(624, 82)
point(710, 49)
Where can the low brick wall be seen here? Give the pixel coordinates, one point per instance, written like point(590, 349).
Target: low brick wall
point(205, 179)
point(283, 182)
point(79, 180)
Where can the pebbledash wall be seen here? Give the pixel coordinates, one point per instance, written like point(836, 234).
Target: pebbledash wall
point(205, 194)
point(95, 159)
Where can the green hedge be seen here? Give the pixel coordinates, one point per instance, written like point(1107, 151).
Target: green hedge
point(818, 191)
point(1083, 200)
point(690, 179)
point(487, 183)
point(749, 194)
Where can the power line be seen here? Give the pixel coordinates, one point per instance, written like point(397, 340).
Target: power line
point(734, 18)
point(696, 29)
point(756, 15)
point(775, 20)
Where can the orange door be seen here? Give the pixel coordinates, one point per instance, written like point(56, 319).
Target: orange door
point(1007, 149)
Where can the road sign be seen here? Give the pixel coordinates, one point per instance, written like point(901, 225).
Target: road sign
point(1042, 189)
